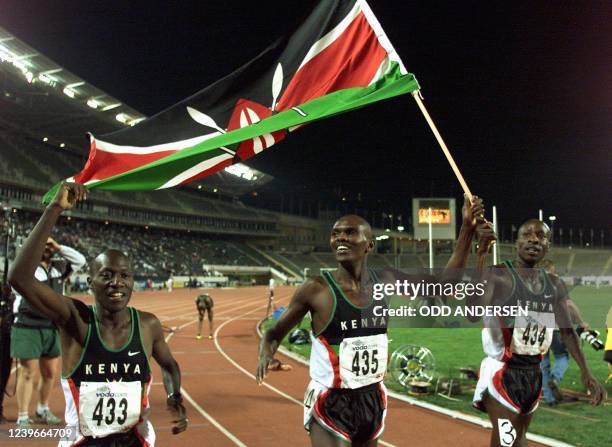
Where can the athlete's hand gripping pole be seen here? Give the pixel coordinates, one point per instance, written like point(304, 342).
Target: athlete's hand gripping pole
point(418, 98)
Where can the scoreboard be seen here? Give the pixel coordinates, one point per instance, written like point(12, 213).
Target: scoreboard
point(443, 218)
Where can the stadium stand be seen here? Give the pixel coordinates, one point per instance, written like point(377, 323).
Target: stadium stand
point(590, 263)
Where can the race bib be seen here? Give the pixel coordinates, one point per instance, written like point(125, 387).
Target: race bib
point(532, 334)
point(107, 408)
point(363, 360)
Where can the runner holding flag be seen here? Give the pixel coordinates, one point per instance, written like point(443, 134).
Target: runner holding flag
point(106, 347)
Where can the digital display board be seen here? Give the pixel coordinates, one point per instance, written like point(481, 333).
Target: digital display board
point(443, 218)
point(439, 216)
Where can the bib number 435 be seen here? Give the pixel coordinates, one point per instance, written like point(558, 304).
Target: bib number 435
point(365, 363)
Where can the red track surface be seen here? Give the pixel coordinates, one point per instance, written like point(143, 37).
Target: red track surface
point(225, 406)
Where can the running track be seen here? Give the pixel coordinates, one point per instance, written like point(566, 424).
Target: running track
point(224, 404)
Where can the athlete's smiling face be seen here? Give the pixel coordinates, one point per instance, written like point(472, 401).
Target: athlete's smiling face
point(112, 280)
point(351, 238)
point(533, 241)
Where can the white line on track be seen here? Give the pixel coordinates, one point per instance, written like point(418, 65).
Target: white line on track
point(229, 359)
point(195, 405)
point(276, 390)
point(212, 420)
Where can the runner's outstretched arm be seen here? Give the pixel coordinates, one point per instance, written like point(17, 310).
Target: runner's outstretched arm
point(298, 307)
point(570, 339)
point(484, 275)
point(171, 376)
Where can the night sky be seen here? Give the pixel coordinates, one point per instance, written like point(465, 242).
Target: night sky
point(521, 92)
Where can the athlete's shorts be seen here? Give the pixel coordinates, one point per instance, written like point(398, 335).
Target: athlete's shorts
point(34, 343)
point(204, 305)
point(142, 435)
point(128, 439)
point(518, 388)
point(352, 415)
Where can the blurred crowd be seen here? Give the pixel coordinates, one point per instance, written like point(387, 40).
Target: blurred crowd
point(155, 253)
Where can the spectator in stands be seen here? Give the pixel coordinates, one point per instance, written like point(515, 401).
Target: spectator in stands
point(35, 339)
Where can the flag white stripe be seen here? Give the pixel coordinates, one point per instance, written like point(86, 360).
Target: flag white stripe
point(380, 71)
point(331, 36)
point(202, 166)
point(139, 150)
point(381, 35)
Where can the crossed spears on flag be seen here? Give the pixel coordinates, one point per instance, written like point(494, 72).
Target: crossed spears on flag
point(248, 116)
point(338, 59)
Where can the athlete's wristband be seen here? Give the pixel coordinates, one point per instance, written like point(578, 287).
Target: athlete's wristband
point(174, 399)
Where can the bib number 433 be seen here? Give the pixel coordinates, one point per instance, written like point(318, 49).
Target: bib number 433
point(106, 408)
point(110, 412)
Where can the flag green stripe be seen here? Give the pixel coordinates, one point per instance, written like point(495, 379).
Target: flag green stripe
point(155, 174)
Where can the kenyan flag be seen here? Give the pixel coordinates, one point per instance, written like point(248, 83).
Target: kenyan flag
point(338, 59)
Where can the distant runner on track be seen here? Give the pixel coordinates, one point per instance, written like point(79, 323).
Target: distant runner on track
point(205, 304)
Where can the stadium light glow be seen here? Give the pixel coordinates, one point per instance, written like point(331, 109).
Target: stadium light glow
point(5, 54)
point(111, 106)
point(45, 139)
point(552, 218)
point(382, 237)
point(69, 92)
point(400, 228)
point(17, 61)
point(62, 144)
point(242, 171)
point(122, 118)
point(46, 79)
point(135, 121)
point(93, 103)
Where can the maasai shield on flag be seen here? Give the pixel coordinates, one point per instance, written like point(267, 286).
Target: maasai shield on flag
point(338, 59)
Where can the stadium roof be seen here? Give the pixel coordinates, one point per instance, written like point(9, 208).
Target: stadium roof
point(48, 102)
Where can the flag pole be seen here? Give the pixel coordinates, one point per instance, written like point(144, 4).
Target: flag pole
point(495, 229)
point(417, 97)
point(430, 230)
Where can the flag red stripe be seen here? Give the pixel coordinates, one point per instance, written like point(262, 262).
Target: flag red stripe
point(210, 171)
point(102, 164)
point(350, 61)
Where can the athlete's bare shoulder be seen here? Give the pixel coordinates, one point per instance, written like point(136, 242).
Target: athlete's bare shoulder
point(81, 308)
point(500, 271)
point(499, 277)
point(149, 321)
point(559, 286)
point(311, 291)
point(313, 284)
